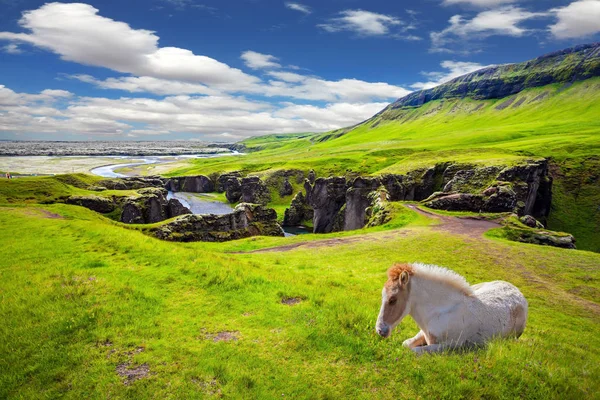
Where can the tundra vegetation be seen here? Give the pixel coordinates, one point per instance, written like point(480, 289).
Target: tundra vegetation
point(93, 307)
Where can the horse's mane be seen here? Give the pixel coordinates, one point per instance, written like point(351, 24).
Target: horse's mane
point(443, 275)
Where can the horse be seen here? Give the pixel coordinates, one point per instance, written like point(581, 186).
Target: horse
point(450, 313)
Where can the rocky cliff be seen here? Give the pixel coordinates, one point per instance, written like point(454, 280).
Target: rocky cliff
point(246, 220)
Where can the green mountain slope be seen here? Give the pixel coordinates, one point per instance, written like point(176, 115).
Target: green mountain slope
point(554, 114)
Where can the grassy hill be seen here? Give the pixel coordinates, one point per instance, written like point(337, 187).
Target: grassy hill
point(93, 308)
point(558, 121)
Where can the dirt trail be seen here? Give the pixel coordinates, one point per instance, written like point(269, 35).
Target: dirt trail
point(469, 226)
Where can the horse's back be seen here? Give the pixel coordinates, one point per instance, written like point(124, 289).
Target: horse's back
point(502, 306)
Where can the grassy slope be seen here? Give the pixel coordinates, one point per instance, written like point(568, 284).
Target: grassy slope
point(554, 121)
point(80, 294)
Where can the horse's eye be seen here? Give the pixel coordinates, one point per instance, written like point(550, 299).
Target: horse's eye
point(392, 301)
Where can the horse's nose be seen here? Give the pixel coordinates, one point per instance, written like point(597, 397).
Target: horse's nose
point(383, 331)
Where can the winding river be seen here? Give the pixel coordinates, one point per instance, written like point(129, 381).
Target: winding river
point(198, 203)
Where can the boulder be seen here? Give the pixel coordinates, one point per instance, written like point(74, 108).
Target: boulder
point(133, 183)
point(531, 222)
point(246, 220)
point(327, 198)
point(233, 189)
point(193, 184)
point(286, 189)
point(151, 206)
point(95, 203)
point(255, 191)
point(222, 180)
point(503, 199)
point(457, 202)
point(312, 176)
point(298, 212)
point(175, 208)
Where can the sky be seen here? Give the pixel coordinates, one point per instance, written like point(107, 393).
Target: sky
point(218, 70)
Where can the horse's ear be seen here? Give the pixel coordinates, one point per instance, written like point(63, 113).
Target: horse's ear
point(404, 278)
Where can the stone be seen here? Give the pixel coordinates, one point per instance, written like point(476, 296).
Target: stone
point(95, 203)
point(222, 180)
point(151, 206)
point(503, 200)
point(246, 220)
point(457, 202)
point(133, 183)
point(175, 208)
point(193, 184)
point(233, 189)
point(531, 222)
point(286, 189)
point(298, 211)
point(255, 191)
point(312, 176)
point(327, 198)
point(357, 202)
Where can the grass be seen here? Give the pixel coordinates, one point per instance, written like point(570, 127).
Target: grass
point(79, 295)
point(555, 122)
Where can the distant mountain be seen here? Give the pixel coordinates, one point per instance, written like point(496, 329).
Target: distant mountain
point(565, 66)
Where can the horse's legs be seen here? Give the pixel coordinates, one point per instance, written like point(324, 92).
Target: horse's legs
point(432, 348)
point(413, 342)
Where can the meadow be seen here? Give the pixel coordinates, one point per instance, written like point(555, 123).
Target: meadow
point(94, 309)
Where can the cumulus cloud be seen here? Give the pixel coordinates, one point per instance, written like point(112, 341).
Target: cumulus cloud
point(578, 19)
point(198, 94)
point(506, 21)
point(299, 7)
point(479, 3)
point(221, 117)
point(255, 60)
point(363, 23)
point(454, 69)
point(77, 33)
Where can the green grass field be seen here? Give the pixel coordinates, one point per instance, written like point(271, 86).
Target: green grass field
point(92, 308)
point(83, 298)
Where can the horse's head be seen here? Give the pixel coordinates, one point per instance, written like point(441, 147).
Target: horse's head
point(394, 299)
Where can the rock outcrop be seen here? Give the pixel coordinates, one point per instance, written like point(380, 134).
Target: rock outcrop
point(286, 188)
point(193, 184)
point(255, 191)
point(327, 198)
point(222, 180)
point(133, 183)
point(523, 189)
point(151, 206)
point(298, 212)
point(95, 203)
point(358, 201)
point(233, 190)
point(246, 220)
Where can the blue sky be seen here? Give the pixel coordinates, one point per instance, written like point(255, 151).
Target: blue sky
point(223, 71)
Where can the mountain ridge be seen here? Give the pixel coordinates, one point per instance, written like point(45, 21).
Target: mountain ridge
point(564, 66)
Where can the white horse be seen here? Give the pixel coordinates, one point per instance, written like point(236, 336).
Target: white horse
point(451, 313)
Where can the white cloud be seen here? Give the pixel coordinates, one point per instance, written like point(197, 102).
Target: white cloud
point(211, 117)
point(504, 21)
point(78, 34)
point(454, 69)
point(147, 84)
point(198, 95)
point(12, 48)
point(578, 19)
point(298, 7)
point(480, 3)
point(255, 60)
point(364, 23)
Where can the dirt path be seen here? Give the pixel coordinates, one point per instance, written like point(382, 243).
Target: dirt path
point(472, 227)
